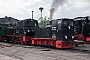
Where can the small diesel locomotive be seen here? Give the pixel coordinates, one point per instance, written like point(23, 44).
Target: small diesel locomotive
point(58, 33)
point(21, 32)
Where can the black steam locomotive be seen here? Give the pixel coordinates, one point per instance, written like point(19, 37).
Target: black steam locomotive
point(58, 33)
point(81, 28)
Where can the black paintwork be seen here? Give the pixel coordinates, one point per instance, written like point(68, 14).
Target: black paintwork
point(81, 25)
point(25, 27)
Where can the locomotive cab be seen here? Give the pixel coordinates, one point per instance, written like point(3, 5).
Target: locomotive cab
point(27, 27)
point(62, 29)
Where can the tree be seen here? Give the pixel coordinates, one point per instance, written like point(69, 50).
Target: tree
point(43, 21)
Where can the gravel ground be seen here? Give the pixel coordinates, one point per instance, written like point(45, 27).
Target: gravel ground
point(4, 57)
point(20, 52)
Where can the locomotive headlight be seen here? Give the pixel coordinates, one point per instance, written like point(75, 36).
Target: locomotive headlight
point(28, 30)
point(65, 37)
point(72, 37)
point(33, 30)
point(24, 32)
point(69, 27)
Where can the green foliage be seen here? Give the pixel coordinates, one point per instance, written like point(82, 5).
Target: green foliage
point(43, 21)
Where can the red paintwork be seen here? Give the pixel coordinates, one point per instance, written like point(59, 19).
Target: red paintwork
point(88, 39)
point(26, 38)
point(0, 38)
point(79, 37)
point(63, 44)
point(52, 42)
point(18, 39)
point(44, 41)
point(22, 39)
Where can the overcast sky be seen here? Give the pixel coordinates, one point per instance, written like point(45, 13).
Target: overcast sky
point(21, 9)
